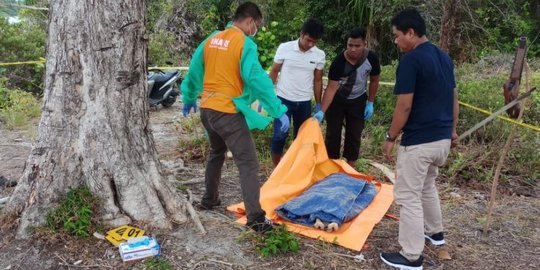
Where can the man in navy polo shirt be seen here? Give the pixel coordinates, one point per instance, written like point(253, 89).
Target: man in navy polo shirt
point(299, 64)
point(427, 113)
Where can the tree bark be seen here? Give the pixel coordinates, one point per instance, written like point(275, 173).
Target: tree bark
point(448, 24)
point(94, 129)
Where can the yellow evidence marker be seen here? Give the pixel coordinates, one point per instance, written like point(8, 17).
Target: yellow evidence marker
point(123, 233)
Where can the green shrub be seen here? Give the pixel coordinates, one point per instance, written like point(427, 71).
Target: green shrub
point(267, 44)
point(277, 241)
point(163, 49)
point(193, 143)
point(480, 85)
point(74, 213)
point(17, 107)
point(4, 95)
point(24, 41)
point(262, 139)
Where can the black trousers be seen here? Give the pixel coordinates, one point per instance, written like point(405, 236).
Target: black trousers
point(230, 131)
point(348, 113)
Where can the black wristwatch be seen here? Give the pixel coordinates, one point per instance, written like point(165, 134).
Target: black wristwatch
point(388, 138)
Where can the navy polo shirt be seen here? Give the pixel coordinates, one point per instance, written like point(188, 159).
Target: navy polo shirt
point(428, 73)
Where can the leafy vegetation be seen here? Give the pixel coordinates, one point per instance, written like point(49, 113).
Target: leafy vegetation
point(481, 28)
point(275, 242)
point(74, 214)
point(267, 44)
point(23, 41)
point(157, 263)
point(17, 107)
point(483, 44)
point(194, 145)
point(474, 160)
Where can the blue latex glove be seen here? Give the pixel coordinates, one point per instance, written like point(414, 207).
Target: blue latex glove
point(368, 112)
point(319, 116)
point(285, 123)
point(187, 108)
point(317, 107)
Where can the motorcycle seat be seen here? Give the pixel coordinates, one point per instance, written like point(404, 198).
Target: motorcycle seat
point(162, 76)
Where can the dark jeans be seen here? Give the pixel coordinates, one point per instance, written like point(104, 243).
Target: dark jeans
point(230, 131)
point(351, 114)
point(298, 112)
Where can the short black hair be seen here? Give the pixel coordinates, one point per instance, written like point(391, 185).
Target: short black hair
point(359, 32)
point(248, 10)
point(409, 18)
point(313, 28)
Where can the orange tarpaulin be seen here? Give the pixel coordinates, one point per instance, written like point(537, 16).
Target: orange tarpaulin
point(305, 163)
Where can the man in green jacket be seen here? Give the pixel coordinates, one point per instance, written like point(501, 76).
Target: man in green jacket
point(226, 69)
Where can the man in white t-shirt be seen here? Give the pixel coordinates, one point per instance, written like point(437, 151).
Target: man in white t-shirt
point(299, 64)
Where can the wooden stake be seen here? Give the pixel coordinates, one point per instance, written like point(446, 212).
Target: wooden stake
point(504, 152)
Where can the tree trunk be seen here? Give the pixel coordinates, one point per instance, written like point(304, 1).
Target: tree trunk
point(94, 128)
point(449, 25)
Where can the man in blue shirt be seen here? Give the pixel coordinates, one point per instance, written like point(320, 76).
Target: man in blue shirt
point(427, 113)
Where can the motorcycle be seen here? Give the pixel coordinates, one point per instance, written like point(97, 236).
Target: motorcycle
point(163, 87)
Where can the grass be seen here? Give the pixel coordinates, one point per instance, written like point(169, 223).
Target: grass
point(275, 242)
point(74, 213)
point(194, 144)
point(157, 263)
point(17, 107)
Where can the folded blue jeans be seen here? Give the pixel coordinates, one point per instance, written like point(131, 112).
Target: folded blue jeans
point(338, 198)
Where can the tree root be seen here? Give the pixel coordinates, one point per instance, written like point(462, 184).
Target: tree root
point(195, 218)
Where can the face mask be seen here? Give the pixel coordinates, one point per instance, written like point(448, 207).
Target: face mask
point(256, 29)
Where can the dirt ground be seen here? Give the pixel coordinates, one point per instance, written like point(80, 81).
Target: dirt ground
point(513, 243)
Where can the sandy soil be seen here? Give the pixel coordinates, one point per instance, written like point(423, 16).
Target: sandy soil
point(513, 243)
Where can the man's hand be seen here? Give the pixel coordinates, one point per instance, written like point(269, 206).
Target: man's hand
point(285, 123)
point(368, 111)
point(388, 147)
point(187, 108)
point(319, 116)
point(455, 136)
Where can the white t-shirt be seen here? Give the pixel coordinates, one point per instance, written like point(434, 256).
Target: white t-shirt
point(295, 81)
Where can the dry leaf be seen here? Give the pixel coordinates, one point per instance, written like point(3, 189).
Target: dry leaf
point(443, 253)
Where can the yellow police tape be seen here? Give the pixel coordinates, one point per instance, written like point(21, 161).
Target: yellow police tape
point(22, 63)
point(485, 112)
point(169, 68)
point(380, 83)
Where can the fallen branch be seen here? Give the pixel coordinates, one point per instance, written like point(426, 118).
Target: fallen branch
point(190, 196)
point(193, 181)
point(195, 218)
point(87, 266)
point(202, 263)
point(500, 163)
point(65, 263)
point(390, 174)
point(357, 258)
point(216, 261)
point(4, 200)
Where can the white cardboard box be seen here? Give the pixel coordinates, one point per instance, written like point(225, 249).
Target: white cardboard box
point(139, 248)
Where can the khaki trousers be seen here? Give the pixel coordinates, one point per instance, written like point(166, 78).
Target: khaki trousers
point(415, 192)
